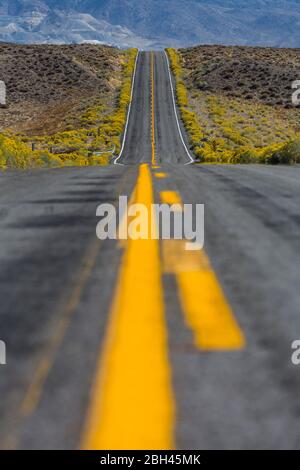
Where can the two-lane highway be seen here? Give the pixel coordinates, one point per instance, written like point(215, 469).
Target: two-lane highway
point(154, 133)
point(140, 344)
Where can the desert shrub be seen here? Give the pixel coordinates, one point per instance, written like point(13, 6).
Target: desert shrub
point(286, 154)
point(99, 130)
point(16, 154)
point(100, 159)
point(291, 151)
point(47, 159)
point(232, 138)
point(189, 118)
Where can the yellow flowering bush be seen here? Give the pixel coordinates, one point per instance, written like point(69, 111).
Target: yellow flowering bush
point(16, 154)
point(100, 132)
point(230, 137)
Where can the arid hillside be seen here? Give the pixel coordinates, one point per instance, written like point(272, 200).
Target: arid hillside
point(242, 97)
point(49, 87)
point(253, 73)
point(66, 104)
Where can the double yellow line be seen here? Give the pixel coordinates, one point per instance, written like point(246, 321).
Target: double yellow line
point(132, 399)
point(132, 404)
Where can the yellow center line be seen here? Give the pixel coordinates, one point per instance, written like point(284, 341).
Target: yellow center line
point(203, 302)
point(170, 197)
point(132, 404)
point(161, 175)
point(153, 159)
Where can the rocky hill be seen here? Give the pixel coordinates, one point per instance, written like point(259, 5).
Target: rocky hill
point(49, 86)
point(152, 23)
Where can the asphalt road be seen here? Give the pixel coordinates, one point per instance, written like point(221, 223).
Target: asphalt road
point(140, 344)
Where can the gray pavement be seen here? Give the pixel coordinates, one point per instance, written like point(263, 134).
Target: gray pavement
point(57, 283)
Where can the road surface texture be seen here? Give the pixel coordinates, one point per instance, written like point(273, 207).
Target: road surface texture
point(141, 343)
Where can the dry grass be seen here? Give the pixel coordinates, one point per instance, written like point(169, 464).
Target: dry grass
point(256, 74)
point(241, 97)
point(67, 105)
point(49, 86)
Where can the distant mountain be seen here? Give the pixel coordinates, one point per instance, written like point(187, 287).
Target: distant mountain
point(152, 23)
point(27, 21)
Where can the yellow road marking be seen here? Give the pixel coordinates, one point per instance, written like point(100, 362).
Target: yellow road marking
point(170, 197)
point(132, 404)
point(153, 160)
point(204, 305)
point(161, 175)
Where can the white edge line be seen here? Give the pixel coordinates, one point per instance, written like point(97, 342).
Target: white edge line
point(176, 115)
point(128, 112)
